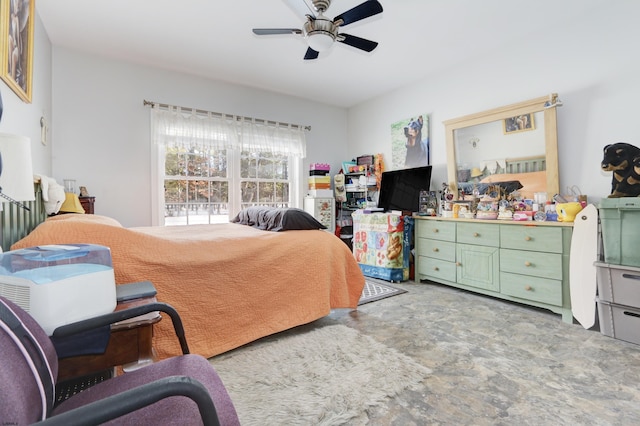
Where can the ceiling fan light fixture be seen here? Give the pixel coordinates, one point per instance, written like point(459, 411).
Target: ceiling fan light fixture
point(320, 41)
point(321, 32)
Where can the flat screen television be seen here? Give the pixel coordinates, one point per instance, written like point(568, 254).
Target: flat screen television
point(400, 189)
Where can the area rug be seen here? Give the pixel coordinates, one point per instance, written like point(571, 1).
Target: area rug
point(326, 376)
point(375, 290)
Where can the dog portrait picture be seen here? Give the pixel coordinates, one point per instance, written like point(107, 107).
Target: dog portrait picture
point(410, 142)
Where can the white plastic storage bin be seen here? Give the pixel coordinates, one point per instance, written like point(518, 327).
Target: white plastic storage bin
point(618, 321)
point(618, 284)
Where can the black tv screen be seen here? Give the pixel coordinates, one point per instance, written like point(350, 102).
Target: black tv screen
point(400, 189)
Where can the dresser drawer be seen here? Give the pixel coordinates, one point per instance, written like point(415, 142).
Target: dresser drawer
point(437, 230)
point(532, 263)
point(537, 289)
point(538, 238)
point(437, 249)
point(436, 268)
point(478, 234)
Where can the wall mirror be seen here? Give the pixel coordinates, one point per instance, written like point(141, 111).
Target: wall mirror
point(515, 146)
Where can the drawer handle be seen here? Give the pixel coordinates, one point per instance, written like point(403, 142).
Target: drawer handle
point(527, 238)
point(475, 234)
point(631, 276)
point(527, 263)
point(435, 268)
point(435, 230)
point(458, 264)
point(436, 249)
point(528, 288)
point(631, 314)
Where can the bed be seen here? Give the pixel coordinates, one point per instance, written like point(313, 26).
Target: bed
point(525, 175)
point(231, 283)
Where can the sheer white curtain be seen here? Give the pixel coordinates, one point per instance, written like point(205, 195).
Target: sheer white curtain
point(173, 126)
point(275, 139)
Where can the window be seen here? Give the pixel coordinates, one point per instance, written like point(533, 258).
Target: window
point(196, 186)
point(208, 173)
point(264, 179)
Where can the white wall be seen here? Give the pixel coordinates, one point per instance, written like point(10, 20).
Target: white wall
point(591, 62)
point(23, 118)
point(101, 127)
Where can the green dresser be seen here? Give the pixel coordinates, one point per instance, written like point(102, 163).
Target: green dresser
point(525, 262)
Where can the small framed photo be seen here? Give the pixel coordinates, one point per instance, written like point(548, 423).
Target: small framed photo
point(17, 19)
point(349, 167)
point(428, 203)
point(519, 123)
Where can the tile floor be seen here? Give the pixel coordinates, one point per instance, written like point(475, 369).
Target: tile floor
point(498, 363)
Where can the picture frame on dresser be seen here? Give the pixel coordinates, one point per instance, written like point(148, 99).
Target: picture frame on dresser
point(17, 19)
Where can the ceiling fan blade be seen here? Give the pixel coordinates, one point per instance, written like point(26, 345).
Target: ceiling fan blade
point(273, 31)
point(300, 7)
point(357, 42)
point(311, 54)
point(362, 11)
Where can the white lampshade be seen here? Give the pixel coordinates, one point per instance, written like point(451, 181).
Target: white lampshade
point(320, 41)
point(16, 179)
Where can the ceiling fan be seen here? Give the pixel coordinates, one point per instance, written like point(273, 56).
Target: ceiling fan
point(321, 32)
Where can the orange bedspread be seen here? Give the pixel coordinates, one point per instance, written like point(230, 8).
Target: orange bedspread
point(231, 283)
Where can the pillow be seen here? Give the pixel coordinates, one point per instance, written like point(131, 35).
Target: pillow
point(86, 218)
point(277, 219)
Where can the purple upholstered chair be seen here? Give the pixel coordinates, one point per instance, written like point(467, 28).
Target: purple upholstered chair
point(184, 390)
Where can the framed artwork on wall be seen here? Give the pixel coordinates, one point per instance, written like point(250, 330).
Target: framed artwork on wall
point(17, 19)
point(410, 142)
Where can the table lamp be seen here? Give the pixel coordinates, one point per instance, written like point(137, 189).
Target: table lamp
point(16, 170)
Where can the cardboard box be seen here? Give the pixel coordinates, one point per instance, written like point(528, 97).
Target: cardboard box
point(620, 219)
point(319, 179)
point(320, 166)
point(320, 193)
point(313, 186)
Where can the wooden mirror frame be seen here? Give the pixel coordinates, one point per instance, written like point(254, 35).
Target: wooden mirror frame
point(526, 107)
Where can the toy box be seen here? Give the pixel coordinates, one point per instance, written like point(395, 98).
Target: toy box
point(382, 244)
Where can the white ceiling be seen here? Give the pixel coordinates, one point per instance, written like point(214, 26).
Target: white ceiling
point(213, 38)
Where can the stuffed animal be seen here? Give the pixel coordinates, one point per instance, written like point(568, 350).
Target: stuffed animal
point(623, 160)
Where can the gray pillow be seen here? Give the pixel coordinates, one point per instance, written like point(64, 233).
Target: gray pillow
point(277, 219)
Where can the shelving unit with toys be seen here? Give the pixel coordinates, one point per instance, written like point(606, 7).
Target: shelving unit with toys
point(360, 178)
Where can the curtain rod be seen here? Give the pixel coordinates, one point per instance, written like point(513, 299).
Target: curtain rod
point(219, 114)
